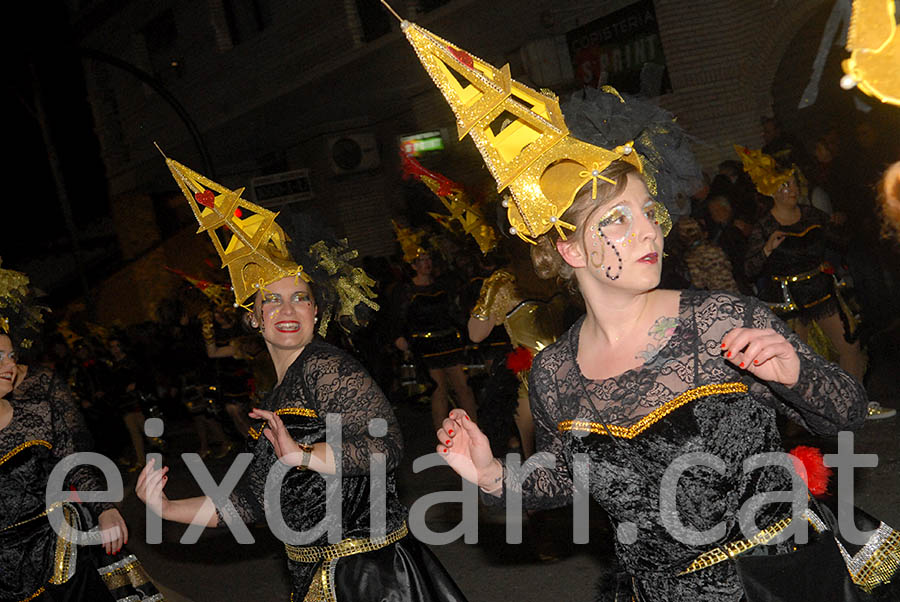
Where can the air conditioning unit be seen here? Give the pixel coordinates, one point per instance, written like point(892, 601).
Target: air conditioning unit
point(352, 153)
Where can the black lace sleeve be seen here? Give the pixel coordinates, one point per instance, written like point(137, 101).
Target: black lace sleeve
point(340, 385)
point(544, 487)
point(825, 399)
point(70, 435)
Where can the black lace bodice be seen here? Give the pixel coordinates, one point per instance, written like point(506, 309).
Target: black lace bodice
point(46, 427)
point(325, 380)
point(658, 416)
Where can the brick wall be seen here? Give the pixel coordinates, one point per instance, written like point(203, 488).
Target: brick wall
point(275, 97)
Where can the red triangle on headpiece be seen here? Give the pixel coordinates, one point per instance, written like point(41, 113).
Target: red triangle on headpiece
point(462, 56)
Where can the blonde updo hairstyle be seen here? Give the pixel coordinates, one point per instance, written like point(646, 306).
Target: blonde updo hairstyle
point(548, 263)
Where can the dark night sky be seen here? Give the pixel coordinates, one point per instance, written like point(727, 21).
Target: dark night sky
point(41, 44)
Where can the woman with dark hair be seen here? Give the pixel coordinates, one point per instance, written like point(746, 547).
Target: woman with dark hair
point(40, 426)
point(374, 558)
point(648, 381)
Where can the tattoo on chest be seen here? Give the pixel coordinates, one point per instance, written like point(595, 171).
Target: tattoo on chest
point(659, 333)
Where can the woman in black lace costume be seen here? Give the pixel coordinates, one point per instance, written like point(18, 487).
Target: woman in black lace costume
point(373, 557)
point(40, 426)
point(647, 376)
point(786, 252)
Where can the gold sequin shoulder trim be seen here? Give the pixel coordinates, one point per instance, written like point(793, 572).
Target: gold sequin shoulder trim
point(305, 412)
point(655, 416)
point(23, 446)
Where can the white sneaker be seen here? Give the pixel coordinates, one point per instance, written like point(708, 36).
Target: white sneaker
point(879, 412)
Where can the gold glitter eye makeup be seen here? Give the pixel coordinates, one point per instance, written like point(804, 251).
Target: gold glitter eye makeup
point(616, 224)
point(301, 298)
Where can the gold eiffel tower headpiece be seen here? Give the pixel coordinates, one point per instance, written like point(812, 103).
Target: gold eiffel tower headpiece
point(520, 133)
point(219, 294)
point(456, 200)
point(411, 242)
point(765, 172)
point(252, 246)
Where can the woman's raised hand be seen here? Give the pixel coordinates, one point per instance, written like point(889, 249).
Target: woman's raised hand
point(286, 449)
point(113, 531)
point(764, 353)
point(467, 450)
point(775, 239)
point(149, 487)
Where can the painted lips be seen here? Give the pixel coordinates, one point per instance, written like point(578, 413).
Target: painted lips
point(650, 258)
point(287, 326)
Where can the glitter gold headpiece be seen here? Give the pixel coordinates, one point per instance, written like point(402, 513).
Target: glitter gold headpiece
point(456, 200)
point(520, 133)
point(219, 294)
point(874, 45)
point(252, 246)
point(410, 242)
point(765, 172)
point(20, 317)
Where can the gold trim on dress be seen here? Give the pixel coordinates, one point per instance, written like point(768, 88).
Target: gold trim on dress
point(34, 595)
point(656, 415)
point(25, 445)
point(877, 562)
point(65, 555)
point(131, 573)
point(735, 548)
point(305, 412)
point(321, 588)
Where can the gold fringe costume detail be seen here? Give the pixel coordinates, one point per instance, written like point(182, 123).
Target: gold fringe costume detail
point(321, 589)
point(656, 415)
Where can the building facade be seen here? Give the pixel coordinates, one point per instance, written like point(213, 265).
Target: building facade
point(250, 88)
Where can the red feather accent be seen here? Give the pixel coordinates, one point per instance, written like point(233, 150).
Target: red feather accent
point(817, 473)
point(519, 359)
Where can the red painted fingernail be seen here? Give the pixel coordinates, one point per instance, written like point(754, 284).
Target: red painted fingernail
point(723, 345)
point(741, 365)
point(445, 450)
point(450, 431)
point(756, 362)
point(728, 354)
point(448, 441)
point(467, 417)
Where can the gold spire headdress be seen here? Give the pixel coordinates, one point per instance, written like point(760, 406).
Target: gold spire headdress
point(520, 133)
point(764, 170)
point(254, 249)
point(410, 242)
point(455, 199)
point(252, 246)
point(20, 317)
point(219, 294)
point(874, 45)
